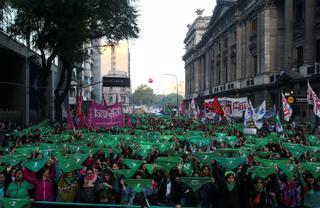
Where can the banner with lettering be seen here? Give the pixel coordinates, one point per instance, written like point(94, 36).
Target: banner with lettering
point(101, 116)
point(232, 107)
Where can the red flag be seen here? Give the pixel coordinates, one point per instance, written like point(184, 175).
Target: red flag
point(79, 106)
point(215, 107)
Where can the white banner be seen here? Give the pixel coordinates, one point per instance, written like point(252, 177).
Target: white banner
point(232, 107)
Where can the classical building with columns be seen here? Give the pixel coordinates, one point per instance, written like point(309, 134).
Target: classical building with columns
point(255, 49)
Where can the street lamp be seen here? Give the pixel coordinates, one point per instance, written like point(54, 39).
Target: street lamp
point(172, 75)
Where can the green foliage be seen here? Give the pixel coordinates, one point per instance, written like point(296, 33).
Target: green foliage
point(168, 100)
point(143, 95)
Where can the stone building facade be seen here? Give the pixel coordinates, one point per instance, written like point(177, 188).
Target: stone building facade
point(256, 48)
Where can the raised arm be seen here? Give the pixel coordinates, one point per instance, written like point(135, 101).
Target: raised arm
point(216, 173)
point(28, 178)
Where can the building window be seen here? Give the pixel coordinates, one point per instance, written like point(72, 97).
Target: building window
point(300, 56)
point(254, 25)
point(110, 99)
point(234, 36)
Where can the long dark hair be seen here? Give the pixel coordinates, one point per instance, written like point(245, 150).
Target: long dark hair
point(111, 174)
point(41, 172)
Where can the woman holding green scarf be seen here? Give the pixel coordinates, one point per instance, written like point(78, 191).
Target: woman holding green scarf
point(311, 190)
point(228, 187)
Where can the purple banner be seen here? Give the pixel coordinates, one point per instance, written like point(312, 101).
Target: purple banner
point(101, 116)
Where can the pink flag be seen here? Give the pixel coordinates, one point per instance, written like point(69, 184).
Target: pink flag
point(310, 94)
point(181, 109)
point(105, 117)
point(70, 124)
point(287, 111)
point(195, 109)
point(316, 106)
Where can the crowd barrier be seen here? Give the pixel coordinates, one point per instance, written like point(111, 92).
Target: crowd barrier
point(23, 203)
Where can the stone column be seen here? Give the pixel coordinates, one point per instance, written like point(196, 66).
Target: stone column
point(270, 38)
point(239, 53)
point(310, 39)
point(288, 34)
point(229, 65)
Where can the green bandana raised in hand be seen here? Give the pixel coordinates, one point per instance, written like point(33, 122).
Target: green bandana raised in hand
point(195, 182)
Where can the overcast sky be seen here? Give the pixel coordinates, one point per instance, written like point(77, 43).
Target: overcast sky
point(160, 48)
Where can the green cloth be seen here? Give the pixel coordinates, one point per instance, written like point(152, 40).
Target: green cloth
point(166, 165)
point(313, 168)
point(143, 152)
point(2, 168)
point(271, 162)
point(79, 158)
point(230, 163)
point(312, 139)
point(195, 182)
point(289, 170)
point(232, 140)
point(221, 134)
point(200, 141)
point(231, 185)
point(174, 159)
point(150, 168)
point(257, 143)
point(164, 146)
point(264, 154)
point(262, 172)
point(12, 160)
point(26, 151)
point(19, 191)
point(296, 150)
point(68, 165)
point(205, 158)
point(133, 164)
point(17, 203)
point(126, 173)
point(35, 165)
point(187, 169)
point(138, 185)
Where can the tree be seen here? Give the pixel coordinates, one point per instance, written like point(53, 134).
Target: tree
point(170, 99)
point(143, 95)
point(63, 27)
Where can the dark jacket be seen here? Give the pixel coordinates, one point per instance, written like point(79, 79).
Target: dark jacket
point(226, 198)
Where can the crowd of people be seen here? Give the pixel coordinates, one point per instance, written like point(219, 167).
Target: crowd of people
point(158, 161)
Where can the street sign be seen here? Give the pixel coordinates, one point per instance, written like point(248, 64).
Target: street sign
point(116, 82)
